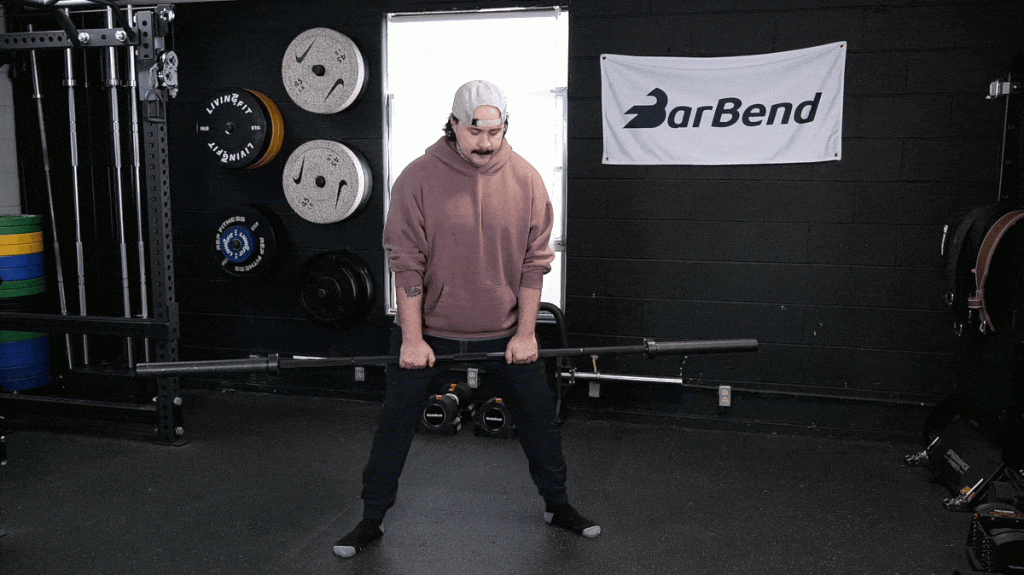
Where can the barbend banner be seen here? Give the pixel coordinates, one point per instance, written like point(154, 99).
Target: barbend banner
point(784, 107)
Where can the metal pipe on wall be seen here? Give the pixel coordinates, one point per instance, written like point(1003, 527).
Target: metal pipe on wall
point(37, 94)
point(10, 181)
point(133, 96)
point(113, 83)
point(69, 81)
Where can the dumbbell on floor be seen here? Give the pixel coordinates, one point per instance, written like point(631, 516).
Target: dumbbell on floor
point(445, 412)
point(493, 419)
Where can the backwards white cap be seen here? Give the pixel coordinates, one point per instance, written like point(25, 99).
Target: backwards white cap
point(471, 96)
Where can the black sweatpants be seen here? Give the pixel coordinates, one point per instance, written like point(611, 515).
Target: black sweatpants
point(524, 389)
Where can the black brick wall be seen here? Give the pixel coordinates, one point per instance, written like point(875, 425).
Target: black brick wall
point(833, 267)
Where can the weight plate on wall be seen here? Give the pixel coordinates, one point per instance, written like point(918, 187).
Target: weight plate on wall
point(38, 345)
point(23, 267)
point(21, 249)
point(20, 230)
point(241, 128)
point(17, 285)
point(18, 335)
point(22, 273)
point(40, 367)
point(22, 359)
point(336, 289)
point(19, 221)
point(18, 289)
point(323, 71)
point(326, 182)
point(247, 240)
point(276, 130)
point(22, 238)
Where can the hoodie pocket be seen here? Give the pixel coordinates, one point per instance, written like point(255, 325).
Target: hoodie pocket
point(472, 309)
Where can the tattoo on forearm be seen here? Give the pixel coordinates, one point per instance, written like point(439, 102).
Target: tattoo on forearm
point(413, 291)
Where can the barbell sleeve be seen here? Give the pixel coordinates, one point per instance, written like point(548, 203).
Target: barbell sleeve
point(257, 364)
point(701, 346)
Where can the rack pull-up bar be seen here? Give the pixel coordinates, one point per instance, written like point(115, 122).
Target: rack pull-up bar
point(74, 36)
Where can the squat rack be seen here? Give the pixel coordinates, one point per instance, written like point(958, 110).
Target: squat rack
point(157, 80)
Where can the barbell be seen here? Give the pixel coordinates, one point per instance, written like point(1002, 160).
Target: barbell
point(274, 364)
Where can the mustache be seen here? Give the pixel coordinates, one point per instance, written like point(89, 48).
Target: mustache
point(483, 152)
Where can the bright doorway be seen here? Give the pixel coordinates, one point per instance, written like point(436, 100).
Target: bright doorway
point(525, 52)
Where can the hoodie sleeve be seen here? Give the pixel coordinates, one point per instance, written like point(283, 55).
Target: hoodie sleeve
point(404, 233)
point(539, 254)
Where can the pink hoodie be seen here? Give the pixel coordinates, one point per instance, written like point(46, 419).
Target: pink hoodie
point(471, 236)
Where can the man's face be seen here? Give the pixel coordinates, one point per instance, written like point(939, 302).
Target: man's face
point(480, 143)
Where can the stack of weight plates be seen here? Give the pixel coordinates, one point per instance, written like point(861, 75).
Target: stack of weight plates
point(24, 356)
point(24, 360)
point(241, 128)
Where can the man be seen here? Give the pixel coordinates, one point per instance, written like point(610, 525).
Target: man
point(467, 237)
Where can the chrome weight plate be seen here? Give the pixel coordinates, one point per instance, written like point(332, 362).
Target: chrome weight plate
point(326, 182)
point(240, 128)
point(323, 71)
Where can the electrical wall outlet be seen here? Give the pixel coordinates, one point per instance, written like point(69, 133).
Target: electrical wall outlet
point(473, 377)
point(724, 396)
point(360, 374)
point(595, 389)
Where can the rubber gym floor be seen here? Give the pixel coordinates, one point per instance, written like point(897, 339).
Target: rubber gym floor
point(267, 483)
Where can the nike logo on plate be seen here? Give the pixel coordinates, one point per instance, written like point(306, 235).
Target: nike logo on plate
point(340, 82)
point(299, 59)
point(341, 185)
